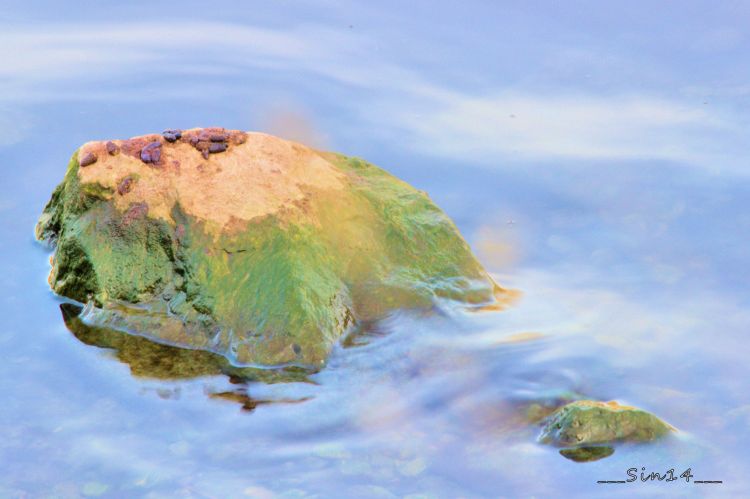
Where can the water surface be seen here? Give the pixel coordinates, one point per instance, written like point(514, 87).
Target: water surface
point(595, 158)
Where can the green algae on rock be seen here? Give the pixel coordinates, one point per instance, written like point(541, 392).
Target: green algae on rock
point(588, 422)
point(247, 245)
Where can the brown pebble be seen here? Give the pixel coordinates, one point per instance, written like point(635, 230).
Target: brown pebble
point(151, 153)
point(218, 137)
point(88, 159)
point(217, 147)
point(172, 135)
point(204, 153)
point(112, 148)
point(125, 186)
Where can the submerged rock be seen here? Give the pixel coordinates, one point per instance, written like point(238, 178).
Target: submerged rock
point(587, 454)
point(587, 422)
point(148, 359)
point(266, 253)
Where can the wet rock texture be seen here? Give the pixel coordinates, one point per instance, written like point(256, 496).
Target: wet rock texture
point(588, 422)
point(246, 245)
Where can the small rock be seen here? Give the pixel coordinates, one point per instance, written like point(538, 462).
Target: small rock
point(218, 137)
point(588, 422)
point(204, 153)
point(172, 135)
point(112, 148)
point(125, 186)
point(88, 159)
point(151, 153)
point(217, 147)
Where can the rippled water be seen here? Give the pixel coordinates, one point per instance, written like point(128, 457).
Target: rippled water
point(615, 208)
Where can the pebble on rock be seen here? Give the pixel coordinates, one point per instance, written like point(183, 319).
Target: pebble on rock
point(172, 135)
point(125, 186)
point(88, 159)
point(213, 140)
point(112, 148)
point(151, 153)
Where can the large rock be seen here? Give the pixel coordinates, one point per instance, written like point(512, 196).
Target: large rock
point(247, 245)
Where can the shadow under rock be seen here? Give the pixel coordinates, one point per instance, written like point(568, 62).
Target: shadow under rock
point(148, 359)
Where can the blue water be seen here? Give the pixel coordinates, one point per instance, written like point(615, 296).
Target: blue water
point(595, 157)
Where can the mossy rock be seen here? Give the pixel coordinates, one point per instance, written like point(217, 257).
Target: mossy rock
point(587, 422)
point(246, 245)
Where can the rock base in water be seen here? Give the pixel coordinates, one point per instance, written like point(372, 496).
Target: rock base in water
point(587, 454)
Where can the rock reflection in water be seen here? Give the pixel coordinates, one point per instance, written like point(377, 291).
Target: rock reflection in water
point(587, 454)
point(250, 403)
point(148, 359)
